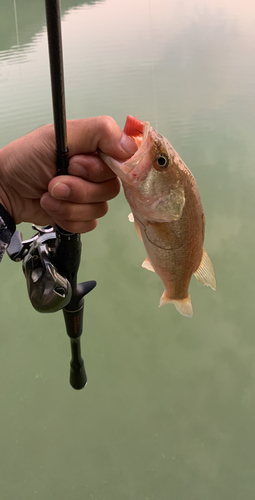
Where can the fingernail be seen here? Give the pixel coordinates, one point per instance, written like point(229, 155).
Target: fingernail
point(60, 190)
point(128, 144)
point(49, 203)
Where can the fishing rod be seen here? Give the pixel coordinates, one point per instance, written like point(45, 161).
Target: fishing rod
point(51, 258)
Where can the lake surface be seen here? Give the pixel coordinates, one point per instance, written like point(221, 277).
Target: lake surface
point(169, 410)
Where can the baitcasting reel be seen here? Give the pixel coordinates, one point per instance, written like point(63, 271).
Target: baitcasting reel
point(48, 290)
point(51, 274)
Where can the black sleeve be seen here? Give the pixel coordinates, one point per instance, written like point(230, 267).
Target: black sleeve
point(7, 228)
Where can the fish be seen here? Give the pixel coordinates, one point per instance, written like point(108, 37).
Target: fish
point(167, 213)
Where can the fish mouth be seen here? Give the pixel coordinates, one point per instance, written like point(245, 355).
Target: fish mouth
point(133, 170)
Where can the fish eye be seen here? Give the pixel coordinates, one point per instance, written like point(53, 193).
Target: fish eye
point(162, 161)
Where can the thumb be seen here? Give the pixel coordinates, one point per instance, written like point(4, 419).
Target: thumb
point(87, 135)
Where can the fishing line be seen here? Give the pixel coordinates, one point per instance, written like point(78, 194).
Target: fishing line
point(154, 88)
point(18, 44)
point(16, 23)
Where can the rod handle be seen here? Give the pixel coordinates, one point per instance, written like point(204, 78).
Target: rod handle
point(78, 377)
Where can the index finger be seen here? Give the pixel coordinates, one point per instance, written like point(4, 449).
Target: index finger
point(90, 167)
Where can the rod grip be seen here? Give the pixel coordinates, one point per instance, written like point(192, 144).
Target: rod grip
point(78, 377)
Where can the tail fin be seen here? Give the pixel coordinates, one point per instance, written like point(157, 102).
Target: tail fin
point(184, 306)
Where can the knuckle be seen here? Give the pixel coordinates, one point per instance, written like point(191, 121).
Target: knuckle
point(67, 211)
point(109, 124)
point(102, 209)
point(79, 227)
point(113, 188)
point(89, 226)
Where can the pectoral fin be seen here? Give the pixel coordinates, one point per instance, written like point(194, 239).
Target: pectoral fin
point(205, 273)
point(138, 230)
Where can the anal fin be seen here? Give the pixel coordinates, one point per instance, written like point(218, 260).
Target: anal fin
point(205, 273)
point(137, 228)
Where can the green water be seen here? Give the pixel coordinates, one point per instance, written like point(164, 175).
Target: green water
point(169, 410)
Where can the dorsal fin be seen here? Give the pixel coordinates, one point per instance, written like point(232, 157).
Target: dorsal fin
point(205, 273)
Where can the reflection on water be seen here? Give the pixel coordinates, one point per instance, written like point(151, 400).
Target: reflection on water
point(169, 409)
point(27, 19)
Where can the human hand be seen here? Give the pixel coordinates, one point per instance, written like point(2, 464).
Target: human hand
point(30, 190)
